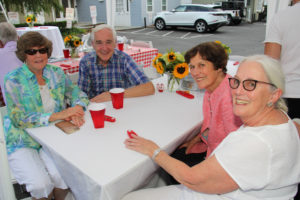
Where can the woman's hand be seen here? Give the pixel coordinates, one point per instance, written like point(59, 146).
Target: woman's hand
point(67, 114)
point(141, 145)
point(77, 121)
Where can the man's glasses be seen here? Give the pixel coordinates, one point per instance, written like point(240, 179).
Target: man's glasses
point(248, 84)
point(34, 51)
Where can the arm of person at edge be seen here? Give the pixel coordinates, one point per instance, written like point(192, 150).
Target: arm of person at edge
point(273, 50)
point(144, 89)
point(207, 176)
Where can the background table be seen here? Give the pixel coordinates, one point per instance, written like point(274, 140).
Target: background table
point(140, 56)
point(95, 163)
point(50, 32)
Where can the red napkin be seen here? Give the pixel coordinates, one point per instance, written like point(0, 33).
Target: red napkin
point(64, 65)
point(236, 63)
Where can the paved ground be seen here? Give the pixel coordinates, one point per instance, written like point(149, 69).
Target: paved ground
point(244, 39)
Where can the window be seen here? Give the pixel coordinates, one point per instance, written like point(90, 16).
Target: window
point(119, 5)
point(163, 5)
point(149, 5)
point(180, 9)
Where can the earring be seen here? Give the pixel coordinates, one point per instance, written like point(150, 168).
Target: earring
point(270, 104)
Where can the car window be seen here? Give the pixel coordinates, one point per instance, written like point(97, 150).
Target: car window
point(180, 9)
point(191, 9)
point(202, 9)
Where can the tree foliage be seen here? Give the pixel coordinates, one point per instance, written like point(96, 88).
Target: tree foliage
point(35, 6)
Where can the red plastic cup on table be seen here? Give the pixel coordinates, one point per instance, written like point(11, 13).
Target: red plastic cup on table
point(97, 111)
point(121, 46)
point(66, 53)
point(117, 97)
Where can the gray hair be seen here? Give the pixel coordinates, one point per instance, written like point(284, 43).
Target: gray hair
point(7, 32)
point(274, 74)
point(101, 27)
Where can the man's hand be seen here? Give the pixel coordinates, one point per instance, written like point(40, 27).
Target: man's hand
point(104, 96)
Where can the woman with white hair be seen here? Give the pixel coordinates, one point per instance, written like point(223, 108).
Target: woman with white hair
point(260, 160)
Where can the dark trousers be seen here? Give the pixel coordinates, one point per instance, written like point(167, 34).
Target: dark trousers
point(294, 112)
point(189, 159)
point(294, 107)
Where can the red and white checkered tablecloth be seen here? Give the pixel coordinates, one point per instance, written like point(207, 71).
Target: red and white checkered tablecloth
point(140, 56)
point(69, 66)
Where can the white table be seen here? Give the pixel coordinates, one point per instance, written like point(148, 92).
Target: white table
point(95, 163)
point(50, 32)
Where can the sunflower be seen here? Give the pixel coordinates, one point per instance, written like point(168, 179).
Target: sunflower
point(160, 68)
point(28, 20)
point(181, 70)
point(171, 56)
point(155, 59)
point(76, 43)
point(67, 39)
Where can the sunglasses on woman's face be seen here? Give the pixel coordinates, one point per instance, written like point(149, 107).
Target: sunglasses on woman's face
point(34, 51)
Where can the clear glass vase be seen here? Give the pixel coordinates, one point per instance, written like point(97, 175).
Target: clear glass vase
point(173, 83)
point(74, 52)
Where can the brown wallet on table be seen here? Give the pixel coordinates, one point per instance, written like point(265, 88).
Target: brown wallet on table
point(67, 127)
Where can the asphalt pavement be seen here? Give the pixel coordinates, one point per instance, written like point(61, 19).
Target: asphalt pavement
point(244, 39)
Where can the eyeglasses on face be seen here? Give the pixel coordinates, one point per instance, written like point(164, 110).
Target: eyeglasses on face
point(34, 51)
point(248, 84)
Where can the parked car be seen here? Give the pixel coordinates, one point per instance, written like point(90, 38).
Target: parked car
point(191, 15)
point(235, 10)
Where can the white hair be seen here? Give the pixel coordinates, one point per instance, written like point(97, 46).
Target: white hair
point(274, 74)
point(101, 27)
point(7, 32)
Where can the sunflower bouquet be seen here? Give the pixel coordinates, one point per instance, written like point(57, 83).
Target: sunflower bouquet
point(30, 19)
point(227, 48)
point(72, 42)
point(173, 64)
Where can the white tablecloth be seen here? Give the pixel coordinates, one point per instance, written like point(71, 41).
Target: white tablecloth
point(95, 163)
point(50, 32)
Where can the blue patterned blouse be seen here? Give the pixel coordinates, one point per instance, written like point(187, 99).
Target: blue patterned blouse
point(25, 107)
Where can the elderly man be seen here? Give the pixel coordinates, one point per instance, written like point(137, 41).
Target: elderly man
point(107, 68)
point(8, 58)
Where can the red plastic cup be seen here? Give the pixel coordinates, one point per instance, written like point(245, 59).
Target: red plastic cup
point(66, 53)
point(117, 97)
point(121, 46)
point(97, 111)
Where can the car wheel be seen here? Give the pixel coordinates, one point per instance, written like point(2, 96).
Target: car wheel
point(201, 26)
point(229, 20)
point(160, 24)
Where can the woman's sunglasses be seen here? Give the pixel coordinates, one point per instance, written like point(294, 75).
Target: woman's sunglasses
point(34, 51)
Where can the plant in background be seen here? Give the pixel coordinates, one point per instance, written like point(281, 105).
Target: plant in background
point(30, 19)
point(173, 64)
point(227, 48)
point(73, 42)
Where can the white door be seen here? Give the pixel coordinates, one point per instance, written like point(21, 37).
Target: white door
point(122, 14)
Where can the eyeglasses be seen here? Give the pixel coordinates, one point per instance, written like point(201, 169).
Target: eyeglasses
point(34, 51)
point(248, 84)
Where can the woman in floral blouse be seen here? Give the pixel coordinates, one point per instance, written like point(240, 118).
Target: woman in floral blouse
point(36, 95)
